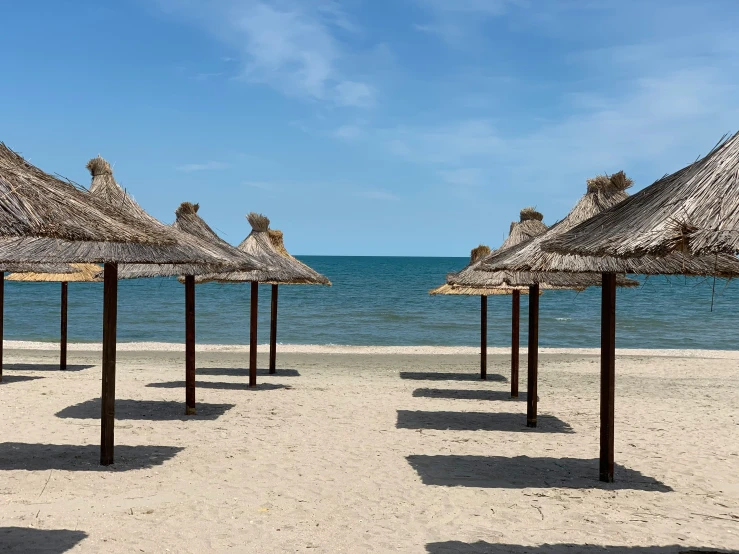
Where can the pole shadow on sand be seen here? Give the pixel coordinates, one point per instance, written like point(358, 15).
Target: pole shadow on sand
point(29, 540)
point(72, 457)
point(469, 394)
point(153, 410)
point(522, 472)
point(457, 547)
point(478, 421)
point(449, 376)
point(18, 379)
point(244, 372)
point(220, 386)
point(45, 367)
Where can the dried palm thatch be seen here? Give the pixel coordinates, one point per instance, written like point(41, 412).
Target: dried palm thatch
point(81, 273)
point(189, 224)
point(603, 192)
point(267, 248)
point(530, 225)
point(469, 281)
point(694, 210)
point(476, 254)
point(44, 219)
point(460, 290)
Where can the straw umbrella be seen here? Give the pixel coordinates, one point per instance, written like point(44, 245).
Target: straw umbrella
point(44, 219)
point(601, 192)
point(83, 273)
point(190, 229)
point(60, 268)
point(198, 231)
point(688, 217)
point(280, 268)
point(532, 260)
point(529, 225)
point(305, 276)
point(694, 210)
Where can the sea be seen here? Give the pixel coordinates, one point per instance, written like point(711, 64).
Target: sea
point(382, 301)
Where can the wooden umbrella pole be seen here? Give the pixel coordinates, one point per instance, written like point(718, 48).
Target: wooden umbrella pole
point(63, 331)
point(483, 337)
point(515, 329)
point(2, 317)
point(110, 312)
point(607, 376)
point(253, 334)
point(273, 333)
point(533, 369)
point(190, 345)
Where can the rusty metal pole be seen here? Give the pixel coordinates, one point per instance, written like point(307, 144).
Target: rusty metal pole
point(2, 317)
point(273, 333)
point(63, 333)
point(607, 376)
point(253, 334)
point(110, 314)
point(533, 369)
point(483, 337)
point(190, 408)
point(515, 329)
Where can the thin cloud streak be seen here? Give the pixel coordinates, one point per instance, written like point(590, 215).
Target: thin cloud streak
point(296, 47)
point(202, 167)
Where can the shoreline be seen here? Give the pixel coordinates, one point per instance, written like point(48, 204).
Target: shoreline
point(365, 350)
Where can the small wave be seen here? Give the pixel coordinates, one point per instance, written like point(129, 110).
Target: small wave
point(563, 318)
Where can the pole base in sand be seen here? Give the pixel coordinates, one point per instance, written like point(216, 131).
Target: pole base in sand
point(190, 411)
point(530, 423)
point(514, 396)
point(607, 477)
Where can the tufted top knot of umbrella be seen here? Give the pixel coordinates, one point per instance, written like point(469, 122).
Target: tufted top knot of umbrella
point(479, 253)
point(614, 182)
point(187, 208)
point(98, 166)
point(277, 240)
point(530, 213)
point(258, 222)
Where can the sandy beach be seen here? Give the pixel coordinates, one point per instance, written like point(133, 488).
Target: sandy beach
point(367, 450)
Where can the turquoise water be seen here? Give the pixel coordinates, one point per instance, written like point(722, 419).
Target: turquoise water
point(381, 301)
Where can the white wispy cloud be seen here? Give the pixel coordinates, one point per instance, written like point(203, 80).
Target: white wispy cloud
point(375, 194)
point(202, 166)
point(263, 185)
point(299, 47)
point(458, 22)
point(348, 132)
point(652, 120)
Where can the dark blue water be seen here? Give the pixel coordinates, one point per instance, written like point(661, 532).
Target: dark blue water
point(381, 301)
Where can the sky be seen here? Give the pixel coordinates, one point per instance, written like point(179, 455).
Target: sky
point(368, 127)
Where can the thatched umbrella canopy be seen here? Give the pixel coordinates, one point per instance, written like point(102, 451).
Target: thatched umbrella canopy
point(694, 210)
point(44, 219)
point(79, 273)
point(43, 273)
point(601, 192)
point(197, 231)
point(483, 292)
point(278, 268)
point(463, 282)
point(529, 261)
point(188, 228)
point(266, 246)
point(529, 225)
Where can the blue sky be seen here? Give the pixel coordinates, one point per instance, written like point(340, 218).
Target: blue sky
point(368, 127)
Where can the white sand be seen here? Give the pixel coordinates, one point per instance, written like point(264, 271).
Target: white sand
point(347, 453)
